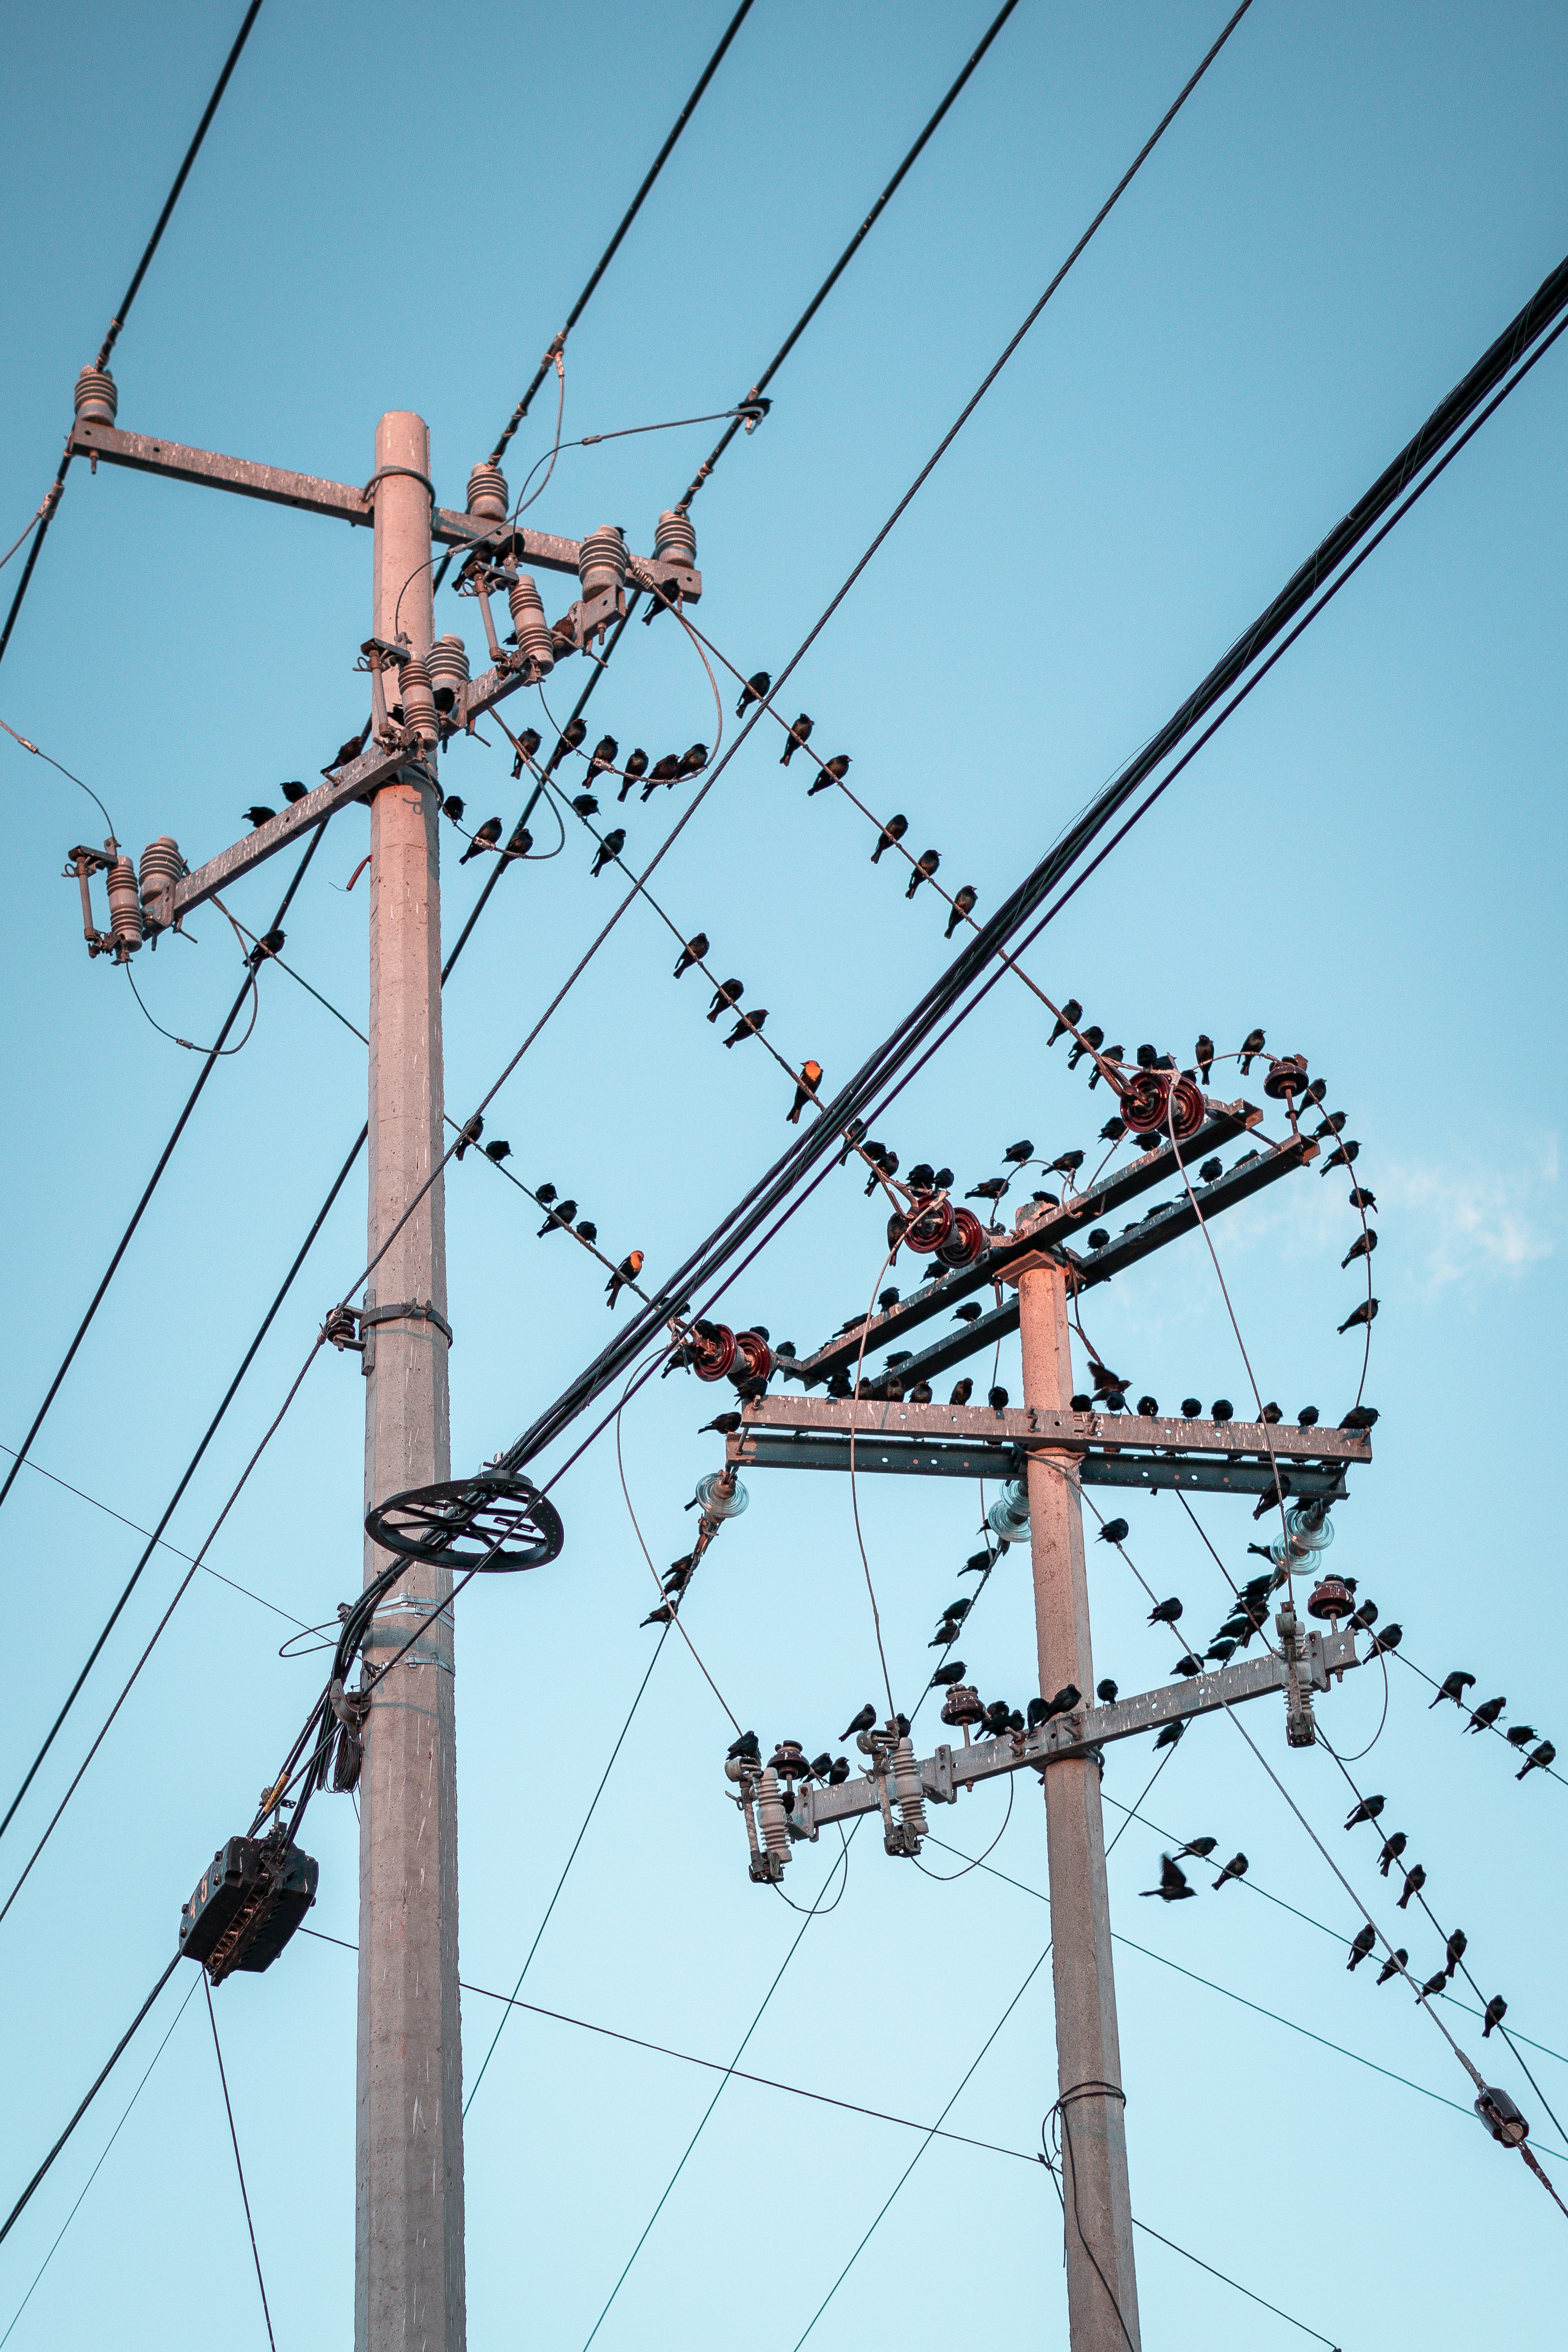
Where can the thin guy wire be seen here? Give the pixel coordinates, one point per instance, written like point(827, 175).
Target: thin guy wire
point(239, 2167)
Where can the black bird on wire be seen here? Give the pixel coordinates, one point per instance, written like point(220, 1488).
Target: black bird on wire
point(892, 833)
point(726, 996)
point(1496, 2011)
point(693, 952)
point(1234, 1868)
point(663, 771)
point(473, 1129)
point(1113, 1053)
point(1089, 1041)
point(1173, 1884)
point(694, 760)
point(1414, 1880)
point(860, 1722)
point(499, 1151)
point(636, 768)
point(1392, 1849)
point(571, 735)
point(1362, 1200)
point(962, 908)
point(1203, 1055)
point(1521, 1736)
point(754, 690)
point(486, 837)
point(1360, 1946)
point(1394, 1966)
point(1539, 1760)
point(952, 1672)
point(1068, 1018)
point(833, 772)
point(1366, 1810)
point(1366, 1313)
point(606, 752)
point(1200, 1848)
point(925, 865)
point(609, 850)
point(798, 737)
point(1165, 1613)
point(1483, 1716)
point(453, 807)
point(557, 1219)
point(1252, 1044)
point(1342, 1157)
point(1454, 1686)
point(585, 806)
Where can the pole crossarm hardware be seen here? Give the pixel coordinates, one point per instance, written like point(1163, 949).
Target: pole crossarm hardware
point(1123, 1449)
point(1047, 1228)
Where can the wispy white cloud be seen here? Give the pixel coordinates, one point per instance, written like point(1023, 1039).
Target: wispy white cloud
point(1465, 1222)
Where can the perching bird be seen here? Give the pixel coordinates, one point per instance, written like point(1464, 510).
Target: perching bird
point(663, 1615)
point(663, 771)
point(1237, 1865)
point(1496, 2011)
point(1250, 1044)
point(962, 1391)
point(348, 750)
point(1454, 1686)
point(921, 1393)
point(970, 1312)
point(745, 1746)
point(609, 850)
point(838, 1773)
point(725, 1424)
point(1308, 1417)
point(953, 1671)
point(294, 790)
point(1394, 1966)
point(585, 1231)
point(1200, 1848)
point(1165, 1613)
point(636, 768)
point(1360, 1946)
point(271, 943)
point(1115, 1531)
point(1332, 1125)
point(1367, 1809)
point(726, 996)
point(1173, 1884)
point(606, 752)
point(1360, 1198)
point(862, 1722)
point(1171, 1734)
point(585, 806)
point(799, 734)
point(571, 735)
point(925, 865)
point(1455, 1951)
point(1066, 1699)
point(453, 807)
point(821, 1765)
point(1433, 1986)
point(1363, 1246)
point(1392, 1848)
point(754, 690)
point(806, 1090)
point(487, 835)
point(1068, 1018)
point(1203, 1055)
point(1220, 1650)
point(472, 1130)
point(1187, 1666)
point(680, 1574)
point(1389, 1639)
point(1112, 1054)
point(1414, 1880)
point(259, 816)
point(693, 952)
point(997, 1398)
point(1089, 1041)
point(627, 1271)
point(892, 833)
point(545, 1194)
point(693, 759)
point(1342, 1157)
point(963, 908)
point(990, 1188)
point(1538, 1759)
point(1105, 1691)
point(952, 1618)
point(1113, 1131)
point(1521, 1736)
point(1483, 1716)
point(1361, 1417)
point(831, 772)
point(499, 1151)
point(558, 1219)
point(1364, 1313)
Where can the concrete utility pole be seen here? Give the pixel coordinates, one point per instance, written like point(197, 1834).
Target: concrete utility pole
point(1099, 2216)
point(408, 2253)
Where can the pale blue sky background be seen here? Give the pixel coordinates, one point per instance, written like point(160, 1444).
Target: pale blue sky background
point(396, 208)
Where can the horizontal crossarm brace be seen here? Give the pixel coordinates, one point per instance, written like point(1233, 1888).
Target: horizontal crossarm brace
point(1150, 1472)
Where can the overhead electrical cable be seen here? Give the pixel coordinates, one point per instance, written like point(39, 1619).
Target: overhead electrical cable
point(208, 1066)
point(51, 506)
point(1499, 370)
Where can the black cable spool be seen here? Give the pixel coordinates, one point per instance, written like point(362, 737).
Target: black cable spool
point(495, 1524)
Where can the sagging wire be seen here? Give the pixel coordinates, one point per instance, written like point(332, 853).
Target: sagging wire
point(676, 1597)
point(1056, 2116)
point(950, 1877)
point(252, 962)
point(28, 745)
point(239, 2167)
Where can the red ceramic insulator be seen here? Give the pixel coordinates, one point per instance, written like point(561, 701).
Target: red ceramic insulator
point(753, 1357)
point(926, 1226)
point(964, 1243)
point(711, 1357)
point(1142, 1104)
point(1189, 1109)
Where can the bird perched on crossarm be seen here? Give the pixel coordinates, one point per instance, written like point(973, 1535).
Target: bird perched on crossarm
point(860, 1722)
point(258, 816)
point(348, 750)
point(725, 1424)
point(630, 1268)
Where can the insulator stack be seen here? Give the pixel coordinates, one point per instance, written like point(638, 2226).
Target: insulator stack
point(418, 701)
point(774, 1819)
point(488, 498)
point(753, 1359)
point(1152, 1101)
point(96, 400)
point(964, 1243)
point(536, 647)
point(1332, 1599)
point(924, 1226)
point(962, 1705)
point(911, 1794)
point(1008, 1514)
point(161, 868)
point(124, 909)
point(1287, 1076)
point(721, 1496)
point(602, 565)
point(711, 1351)
point(448, 667)
point(675, 540)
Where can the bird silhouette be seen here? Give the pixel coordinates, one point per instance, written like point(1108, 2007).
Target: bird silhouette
point(486, 838)
point(1414, 1880)
point(805, 1091)
point(1113, 1053)
point(1187, 1666)
point(1364, 1313)
point(1496, 2011)
point(1165, 1613)
point(892, 833)
point(1361, 1417)
point(585, 1231)
point(1237, 1865)
point(1361, 1945)
point(630, 1268)
point(693, 759)
point(725, 1424)
point(1392, 1848)
point(1332, 1125)
point(747, 1745)
point(1088, 1041)
point(499, 1151)
point(1521, 1736)
point(952, 1672)
point(831, 772)
point(521, 842)
point(1538, 1760)
point(754, 690)
point(453, 807)
point(663, 771)
point(962, 1391)
point(1173, 1885)
point(294, 790)
point(1389, 1639)
point(1363, 1246)
point(1198, 1849)
point(1203, 1055)
point(472, 1130)
point(990, 1188)
point(1113, 1130)
point(860, 1722)
point(571, 736)
point(585, 806)
point(1455, 1951)
point(962, 908)
point(348, 750)
point(1171, 1734)
point(1395, 1966)
point(1106, 1691)
point(609, 850)
point(1454, 1686)
point(636, 768)
point(921, 1393)
point(679, 1574)
point(1115, 1531)
point(800, 735)
point(925, 865)
point(1252, 1043)
point(606, 752)
point(258, 816)
point(839, 1772)
point(558, 1219)
point(1483, 1716)
point(1070, 1014)
point(1360, 1198)
point(693, 952)
point(1342, 1157)
point(726, 996)
point(1365, 1809)
point(1433, 1986)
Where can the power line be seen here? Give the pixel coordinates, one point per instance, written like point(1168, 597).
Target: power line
point(51, 506)
point(165, 1157)
point(239, 2167)
point(843, 263)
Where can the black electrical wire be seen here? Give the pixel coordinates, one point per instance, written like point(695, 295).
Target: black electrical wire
point(190, 1470)
point(239, 2165)
point(843, 263)
point(51, 506)
point(1494, 375)
point(208, 1066)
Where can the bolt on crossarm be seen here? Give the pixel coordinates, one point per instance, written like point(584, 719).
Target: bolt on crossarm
point(1102, 2290)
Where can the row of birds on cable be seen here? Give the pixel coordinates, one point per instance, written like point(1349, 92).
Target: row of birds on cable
point(1369, 1810)
point(559, 1214)
point(1485, 1718)
point(1174, 1888)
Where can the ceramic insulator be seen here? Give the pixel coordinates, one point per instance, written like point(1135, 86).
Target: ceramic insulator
point(95, 397)
point(535, 643)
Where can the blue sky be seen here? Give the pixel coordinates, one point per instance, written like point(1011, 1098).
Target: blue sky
point(396, 209)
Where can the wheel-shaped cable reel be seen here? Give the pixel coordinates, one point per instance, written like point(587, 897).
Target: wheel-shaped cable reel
point(494, 1523)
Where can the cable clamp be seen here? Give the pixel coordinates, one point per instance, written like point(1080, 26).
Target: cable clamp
point(405, 1310)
